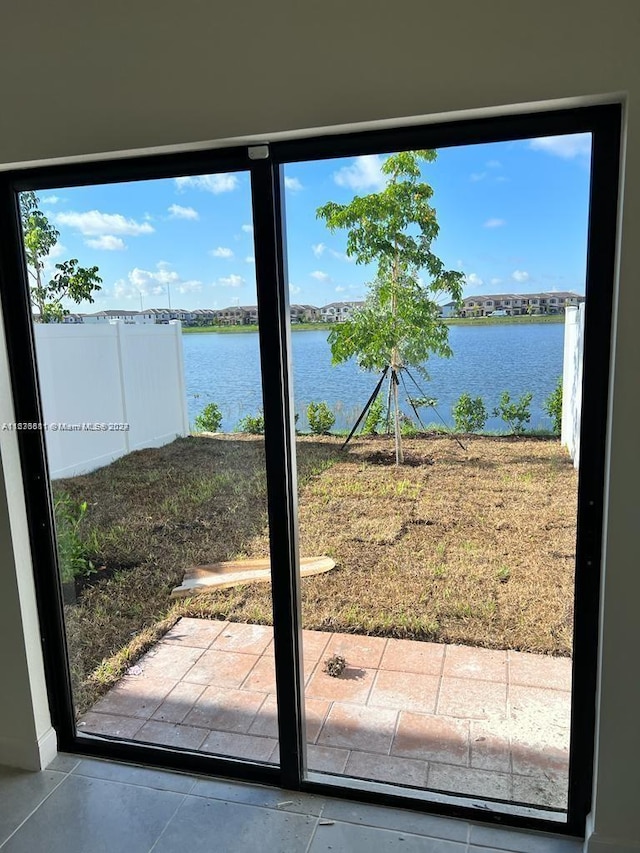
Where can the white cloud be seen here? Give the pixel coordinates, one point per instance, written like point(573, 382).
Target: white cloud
point(294, 290)
point(520, 276)
point(215, 184)
point(568, 146)
point(176, 211)
point(495, 281)
point(163, 275)
point(56, 252)
point(50, 199)
point(107, 242)
point(250, 259)
point(494, 164)
point(221, 252)
point(248, 229)
point(474, 280)
point(191, 286)
point(321, 276)
point(495, 223)
point(477, 176)
point(364, 173)
point(340, 289)
point(231, 281)
point(293, 185)
point(153, 282)
point(341, 256)
point(93, 223)
point(318, 249)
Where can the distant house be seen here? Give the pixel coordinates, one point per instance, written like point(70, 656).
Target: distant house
point(304, 313)
point(160, 315)
point(449, 309)
point(232, 316)
point(338, 312)
point(514, 304)
point(250, 314)
point(118, 314)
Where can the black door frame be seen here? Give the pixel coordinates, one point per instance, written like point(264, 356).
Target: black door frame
point(265, 165)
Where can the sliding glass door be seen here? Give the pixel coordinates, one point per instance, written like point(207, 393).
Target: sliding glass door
point(304, 456)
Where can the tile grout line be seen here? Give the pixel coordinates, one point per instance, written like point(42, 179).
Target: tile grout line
point(255, 716)
point(440, 678)
point(324, 720)
point(166, 826)
point(396, 726)
point(44, 799)
point(315, 828)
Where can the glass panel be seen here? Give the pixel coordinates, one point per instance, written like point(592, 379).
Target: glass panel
point(438, 630)
point(156, 458)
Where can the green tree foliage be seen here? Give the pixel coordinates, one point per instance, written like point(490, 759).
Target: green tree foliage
point(399, 324)
point(469, 414)
point(320, 418)
point(553, 406)
point(515, 414)
point(209, 419)
point(70, 281)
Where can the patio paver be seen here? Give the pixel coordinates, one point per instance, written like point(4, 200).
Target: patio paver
point(473, 721)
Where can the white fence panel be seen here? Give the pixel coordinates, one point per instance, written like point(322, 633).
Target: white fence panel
point(153, 384)
point(112, 374)
point(572, 381)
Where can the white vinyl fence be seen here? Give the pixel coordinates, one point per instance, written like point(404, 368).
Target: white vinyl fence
point(572, 380)
point(99, 380)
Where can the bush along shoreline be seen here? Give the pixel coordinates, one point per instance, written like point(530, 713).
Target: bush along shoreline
point(470, 415)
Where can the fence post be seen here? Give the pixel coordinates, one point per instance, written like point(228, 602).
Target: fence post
point(122, 379)
point(182, 385)
point(567, 437)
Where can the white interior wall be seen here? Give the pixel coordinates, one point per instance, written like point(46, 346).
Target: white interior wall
point(84, 79)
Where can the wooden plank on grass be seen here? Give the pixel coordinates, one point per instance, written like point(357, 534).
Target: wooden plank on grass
point(234, 572)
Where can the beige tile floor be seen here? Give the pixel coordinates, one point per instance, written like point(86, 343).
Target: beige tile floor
point(450, 718)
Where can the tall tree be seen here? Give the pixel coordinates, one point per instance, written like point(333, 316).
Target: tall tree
point(399, 324)
point(71, 281)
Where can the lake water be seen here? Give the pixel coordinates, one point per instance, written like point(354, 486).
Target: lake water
point(224, 368)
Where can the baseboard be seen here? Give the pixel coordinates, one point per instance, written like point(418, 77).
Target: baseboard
point(604, 844)
point(28, 755)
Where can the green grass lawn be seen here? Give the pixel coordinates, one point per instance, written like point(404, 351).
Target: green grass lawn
point(471, 546)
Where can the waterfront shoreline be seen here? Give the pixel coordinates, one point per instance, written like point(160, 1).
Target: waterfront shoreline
point(450, 321)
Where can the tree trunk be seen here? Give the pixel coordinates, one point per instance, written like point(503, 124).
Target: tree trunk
point(395, 361)
point(396, 408)
point(389, 404)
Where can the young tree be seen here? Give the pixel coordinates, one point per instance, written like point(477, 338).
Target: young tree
point(399, 324)
point(70, 281)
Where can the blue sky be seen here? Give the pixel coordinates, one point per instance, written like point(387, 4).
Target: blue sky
point(512, 215)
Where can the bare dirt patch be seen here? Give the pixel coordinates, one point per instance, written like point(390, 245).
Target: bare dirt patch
point(472, 546)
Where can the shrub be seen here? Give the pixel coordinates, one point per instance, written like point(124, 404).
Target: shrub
point(553, 407)
point(407, 427)
point(469, 414)
point(252, 424)
point(515, 414)
point(375, 418)
point(320, 418)
point(209, 419)
point(72, 558)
